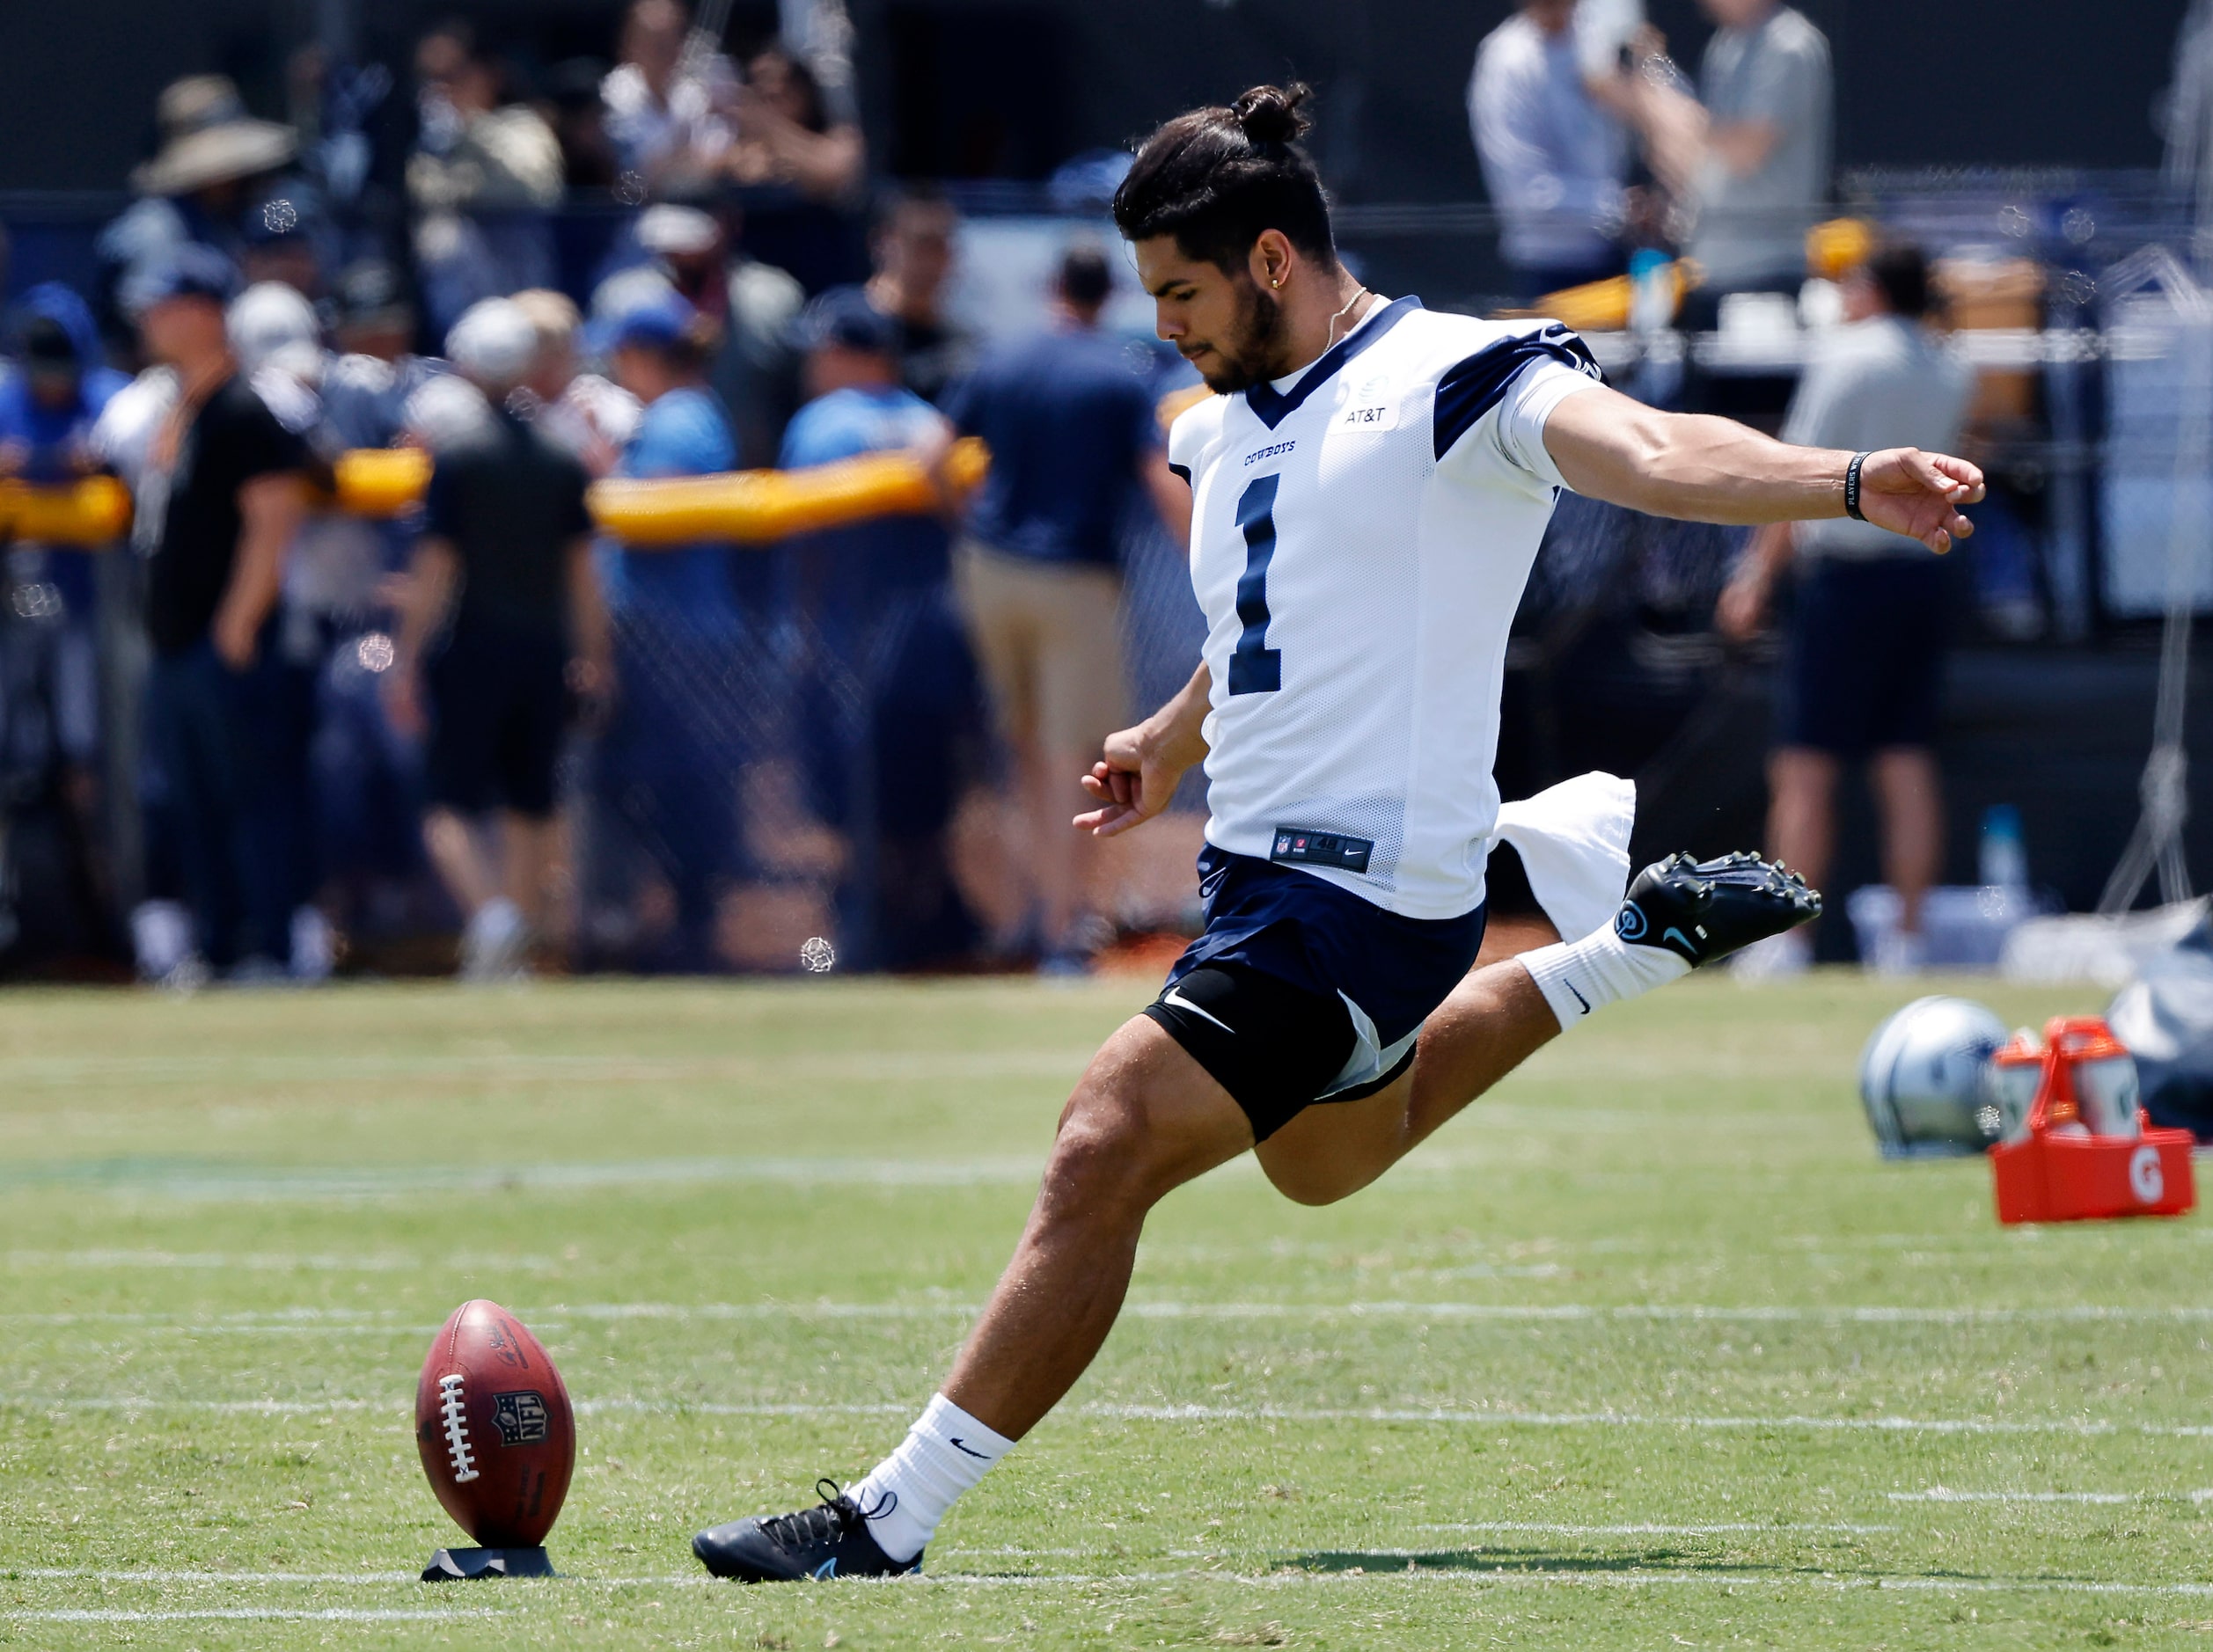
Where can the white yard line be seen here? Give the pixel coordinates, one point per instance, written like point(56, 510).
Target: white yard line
point(248, 1614)
point(1316, 1312)
point(1646, 1529)
point(273, 1183)
point(160, 1574)
point(1944, 1494)
point(2086, 1426)
point(138, 1071)
point(1392, 1566)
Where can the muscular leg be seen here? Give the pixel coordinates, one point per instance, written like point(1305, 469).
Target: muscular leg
point(1493, 1022)
point(1144, 1119)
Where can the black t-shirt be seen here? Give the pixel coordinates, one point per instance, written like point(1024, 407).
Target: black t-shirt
point(232, 439)
point(511, 502)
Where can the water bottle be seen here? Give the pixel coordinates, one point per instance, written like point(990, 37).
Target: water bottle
point(1651, 292)
point(2004, 856)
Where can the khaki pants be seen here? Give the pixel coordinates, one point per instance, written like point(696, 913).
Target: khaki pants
point(1048, 637)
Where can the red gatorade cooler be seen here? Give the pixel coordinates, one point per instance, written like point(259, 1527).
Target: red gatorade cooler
point(2085, 1149)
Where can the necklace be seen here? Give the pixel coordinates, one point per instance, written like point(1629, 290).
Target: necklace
point(1339, 316)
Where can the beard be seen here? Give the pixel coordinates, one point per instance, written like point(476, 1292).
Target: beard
point(1253, 351)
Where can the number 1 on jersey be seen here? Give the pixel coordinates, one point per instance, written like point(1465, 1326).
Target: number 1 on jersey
point(1253, 666)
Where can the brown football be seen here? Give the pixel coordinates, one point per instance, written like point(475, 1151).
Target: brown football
point(493, 1423)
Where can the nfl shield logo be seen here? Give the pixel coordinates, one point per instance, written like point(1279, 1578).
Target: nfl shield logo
point(521, 1418)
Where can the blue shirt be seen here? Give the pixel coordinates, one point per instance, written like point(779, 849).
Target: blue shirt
point(869, 559)
point(1552, 158)
point(1067, 416)
point(683, 434)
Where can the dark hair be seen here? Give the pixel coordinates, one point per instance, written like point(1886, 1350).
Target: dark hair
point(1086, 277)
point(1214, 178)
point(1900, 274)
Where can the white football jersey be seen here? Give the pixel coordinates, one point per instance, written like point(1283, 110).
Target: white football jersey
point(1360, 536)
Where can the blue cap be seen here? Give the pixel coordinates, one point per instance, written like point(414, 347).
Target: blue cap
point(844, 319)
point(660, 323)
point(187, 270)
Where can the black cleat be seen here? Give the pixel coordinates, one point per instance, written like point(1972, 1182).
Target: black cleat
point(1704, 909)
point(830, 1539)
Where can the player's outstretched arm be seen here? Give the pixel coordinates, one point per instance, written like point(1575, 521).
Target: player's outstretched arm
point(1138, 775)
point(1697, 468)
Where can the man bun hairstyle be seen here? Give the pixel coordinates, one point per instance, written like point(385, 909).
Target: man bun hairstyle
point(1215, 178)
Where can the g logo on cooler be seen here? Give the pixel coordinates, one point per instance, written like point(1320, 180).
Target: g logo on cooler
point(2146, 1180)
point(1631, 924)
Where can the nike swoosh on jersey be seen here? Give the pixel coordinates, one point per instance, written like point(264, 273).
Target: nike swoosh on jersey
point(1176, 997)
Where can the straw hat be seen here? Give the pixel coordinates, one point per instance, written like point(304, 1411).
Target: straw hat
point(209, 138)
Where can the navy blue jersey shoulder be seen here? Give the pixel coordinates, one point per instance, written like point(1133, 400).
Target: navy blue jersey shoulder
point(1472, 388)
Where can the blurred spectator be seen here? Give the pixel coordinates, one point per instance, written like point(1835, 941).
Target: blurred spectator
point(1864, 669)
point(211, 177)
point(916, 236)
point(579, 119)
point(223, 491)
point(51, 727)
point(688, 246)
point(1749, 156)
point(373, 369)
point(887, 694)
point(331, 581)
point(592, 416)
point(373, 315)
point(502, 622)
point(1072, 429)
point(50, 403)
point(750, 307)
point(662, 102)
point(1553, 159)
point(483, 178)
point(799, 168)
point(784, 133)
point(669, 761)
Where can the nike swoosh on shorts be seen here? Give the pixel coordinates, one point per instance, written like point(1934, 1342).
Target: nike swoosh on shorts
point(1175, 995)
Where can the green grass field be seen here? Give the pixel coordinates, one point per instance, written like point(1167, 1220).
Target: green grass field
point(1646, 1349)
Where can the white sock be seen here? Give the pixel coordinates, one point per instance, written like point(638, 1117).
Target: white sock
point(1579, 976)
point(907, 1495)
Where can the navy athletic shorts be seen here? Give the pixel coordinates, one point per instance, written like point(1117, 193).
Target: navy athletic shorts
point(1864, 669)
point(1260, 998)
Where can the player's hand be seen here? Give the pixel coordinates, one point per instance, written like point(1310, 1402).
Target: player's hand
point(1133, 783)
point(1919, 495)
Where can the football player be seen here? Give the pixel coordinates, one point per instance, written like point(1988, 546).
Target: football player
point(1369, 486)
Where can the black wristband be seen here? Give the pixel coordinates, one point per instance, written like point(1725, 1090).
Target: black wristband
point(1851, 488)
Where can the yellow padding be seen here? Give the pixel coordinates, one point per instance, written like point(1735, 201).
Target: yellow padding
point(89, 512)
point(748, 506)
point(752, 506)
point(381, 482)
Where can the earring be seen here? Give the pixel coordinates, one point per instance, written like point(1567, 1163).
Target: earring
point(1276, 283)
